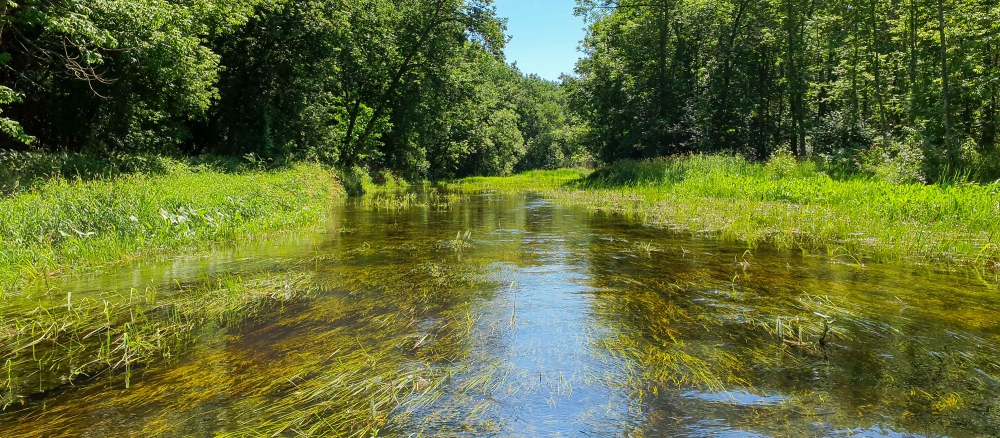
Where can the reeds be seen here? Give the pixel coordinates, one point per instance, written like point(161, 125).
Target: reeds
point(62, 226)
point(428, 198)
point(792, 206)
point(121, 331)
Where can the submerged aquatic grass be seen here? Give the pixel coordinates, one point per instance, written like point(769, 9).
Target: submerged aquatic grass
point(372, 349)
point(64, 226)
point(793, 206)
point(550, 317)
point(51, 346)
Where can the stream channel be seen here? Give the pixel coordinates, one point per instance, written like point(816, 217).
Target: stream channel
point(493, 315)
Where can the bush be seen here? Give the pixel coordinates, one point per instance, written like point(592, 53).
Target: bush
point(840, 143)
point(356, 181)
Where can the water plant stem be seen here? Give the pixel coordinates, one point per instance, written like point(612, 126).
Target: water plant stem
point(791, 205)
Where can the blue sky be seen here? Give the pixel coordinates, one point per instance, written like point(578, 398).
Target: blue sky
point(545, 35)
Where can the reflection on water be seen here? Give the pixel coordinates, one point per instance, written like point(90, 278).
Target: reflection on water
point(553, 322)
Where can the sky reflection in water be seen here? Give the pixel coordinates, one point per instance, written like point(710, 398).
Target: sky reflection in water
point(559, 322)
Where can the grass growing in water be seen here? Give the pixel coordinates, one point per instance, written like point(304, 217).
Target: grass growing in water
point(794, 206)
point(51, 346)
point(62, 226)
point(533, 181)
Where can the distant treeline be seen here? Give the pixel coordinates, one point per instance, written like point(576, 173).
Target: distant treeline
point(417, 86)
point(908, 87)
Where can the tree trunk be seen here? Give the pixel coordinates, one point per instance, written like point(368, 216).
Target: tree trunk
point(3, 13)
point(347, 153)
point(878, 70)
point(944, 85)
point(913, 61)
point(854, 80)
point(662, 85)
point(792, 77)
point(728, 75)
point(990, 129)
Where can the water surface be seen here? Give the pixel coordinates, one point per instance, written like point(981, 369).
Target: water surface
point(546, 321)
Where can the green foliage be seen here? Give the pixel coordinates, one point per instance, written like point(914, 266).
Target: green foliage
point(121, 75)
point(8, 126)
point(20, 171)
point(62, 223)
point(472, 126)
point(416, 87)
point(857, 84)
point(792, 205)
point(550, 130)
point(356, 181)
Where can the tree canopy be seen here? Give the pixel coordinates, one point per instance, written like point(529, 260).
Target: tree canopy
point(911, 84)
point(417, 86)
point(421, 87)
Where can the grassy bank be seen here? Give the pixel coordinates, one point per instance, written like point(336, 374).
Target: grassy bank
point(793, 206)
point(60, 226)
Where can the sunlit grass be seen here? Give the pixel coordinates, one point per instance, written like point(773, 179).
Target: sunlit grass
point(359, 362)
point(389, 330)
point(62, 226)
point(538, 180)
point(53, 345)
point(793, 206)
point(390, 199)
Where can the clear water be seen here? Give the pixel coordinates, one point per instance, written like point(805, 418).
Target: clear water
point(550, 321)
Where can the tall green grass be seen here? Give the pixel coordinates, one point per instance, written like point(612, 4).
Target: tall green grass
point(20, 171)
point(60, 225)
point(791, 205)
point(532, 181)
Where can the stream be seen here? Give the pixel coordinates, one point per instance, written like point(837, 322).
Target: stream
point(496, 315)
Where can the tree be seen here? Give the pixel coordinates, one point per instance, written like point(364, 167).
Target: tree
point(858, 83)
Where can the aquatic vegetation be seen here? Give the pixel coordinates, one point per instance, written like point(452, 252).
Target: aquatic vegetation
point(63, 226)
point(533, 181)
point(121, 331)
point(427, 198)
point(460, 243)
point(555, 320)
point(392, 202)
point(791, 206)
point(780, 350)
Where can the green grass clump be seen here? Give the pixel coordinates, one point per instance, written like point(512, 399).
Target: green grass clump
point(792, 205)
point(358, 181)
point(123, 331)
point(533, 181)
point(20, 171)
point(62, 226)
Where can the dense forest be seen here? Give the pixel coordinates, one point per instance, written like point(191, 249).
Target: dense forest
point(903, 88)
point(420, 87)
point(906, 87)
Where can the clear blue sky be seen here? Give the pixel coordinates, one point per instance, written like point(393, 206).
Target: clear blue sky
point(545, 35)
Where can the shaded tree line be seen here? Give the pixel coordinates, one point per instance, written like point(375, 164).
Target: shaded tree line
point(420, 87)
point(905, 87)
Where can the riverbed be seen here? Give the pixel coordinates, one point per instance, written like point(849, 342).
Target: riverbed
point(504, 315)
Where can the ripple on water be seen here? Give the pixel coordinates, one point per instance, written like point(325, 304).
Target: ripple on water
point(548, 321)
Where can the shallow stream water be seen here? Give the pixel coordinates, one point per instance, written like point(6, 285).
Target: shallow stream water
point(547, 320)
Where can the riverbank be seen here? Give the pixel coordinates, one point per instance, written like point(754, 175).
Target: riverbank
point(60, 226)
point(792, 206)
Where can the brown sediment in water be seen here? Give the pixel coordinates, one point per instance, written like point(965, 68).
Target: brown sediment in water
point(549, 319)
